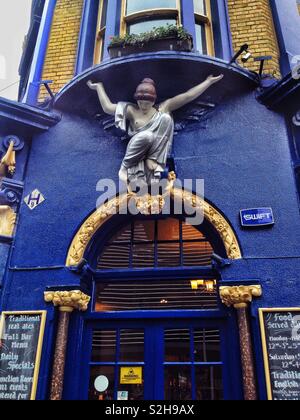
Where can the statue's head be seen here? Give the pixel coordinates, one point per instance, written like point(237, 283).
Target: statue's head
point(145, 94)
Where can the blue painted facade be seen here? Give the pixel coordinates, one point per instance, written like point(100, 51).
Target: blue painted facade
point(247, 151)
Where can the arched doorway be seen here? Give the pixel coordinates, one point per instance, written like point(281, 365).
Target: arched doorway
point(156, 329)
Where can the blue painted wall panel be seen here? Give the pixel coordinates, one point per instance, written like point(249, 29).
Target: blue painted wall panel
point(243, 164)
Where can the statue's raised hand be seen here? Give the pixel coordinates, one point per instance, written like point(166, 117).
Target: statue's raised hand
point(212, 80)
point(92, 85)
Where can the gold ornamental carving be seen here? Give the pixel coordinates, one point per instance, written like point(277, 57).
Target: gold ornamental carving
point(239, 296)
point(8, 162)
point(68, 301)
point(7, 221)
point(151, 205)
point(215, 219)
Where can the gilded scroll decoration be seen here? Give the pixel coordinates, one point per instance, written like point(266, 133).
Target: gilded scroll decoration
point(151, 205)
point(7, 221)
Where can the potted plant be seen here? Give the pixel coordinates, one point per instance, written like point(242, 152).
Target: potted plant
point(163, 38)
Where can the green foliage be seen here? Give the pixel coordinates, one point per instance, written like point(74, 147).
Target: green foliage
point(161, 32)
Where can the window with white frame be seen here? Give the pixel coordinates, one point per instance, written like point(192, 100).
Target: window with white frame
point(139, 16)
point(101, 27)
point(203, 27)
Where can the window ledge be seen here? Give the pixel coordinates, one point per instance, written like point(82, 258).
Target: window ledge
point(187, 69)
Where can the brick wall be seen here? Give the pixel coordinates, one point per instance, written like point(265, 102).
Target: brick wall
point(62, 49)
point(252, 23)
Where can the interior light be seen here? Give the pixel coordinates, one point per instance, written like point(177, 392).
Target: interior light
point(164, 302)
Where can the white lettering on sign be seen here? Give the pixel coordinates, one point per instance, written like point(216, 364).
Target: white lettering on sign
point(262, 216)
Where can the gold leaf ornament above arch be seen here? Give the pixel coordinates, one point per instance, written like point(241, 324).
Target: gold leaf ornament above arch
point(104, 213)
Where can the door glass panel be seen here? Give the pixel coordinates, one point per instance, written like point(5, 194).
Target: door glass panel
point(207, 346)
point(177, 346)
point(178, 385)
point(104, 346)
point(117, 365)
point(190, 361)
point(105, 376)
point(209, 383)
point(131, 383)
point(132, 346)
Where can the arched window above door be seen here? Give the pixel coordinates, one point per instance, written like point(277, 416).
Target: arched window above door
point(157, 243)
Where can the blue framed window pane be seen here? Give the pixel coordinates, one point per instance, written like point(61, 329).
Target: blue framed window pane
point(104, 14)
point(178, 383)
point(104, 346)
point(168, 230)
point(189, 233)
point(201, 46)
point(149, 25)
point(144, 231)
point(131, 392)
point(209, 384)
point(168, 254)
point(143, 255)
point(177, 346)
point(200, 7)
point(207, 346)
point(132, 346)
point(197, 254)
point(134, 6)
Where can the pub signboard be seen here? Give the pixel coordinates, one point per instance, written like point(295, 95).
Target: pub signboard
point(21, 340)
point(280, 330)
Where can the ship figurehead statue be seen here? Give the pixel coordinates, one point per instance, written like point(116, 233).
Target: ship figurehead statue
point(150, 127)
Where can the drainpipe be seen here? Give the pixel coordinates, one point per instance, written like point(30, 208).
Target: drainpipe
point(36, 71)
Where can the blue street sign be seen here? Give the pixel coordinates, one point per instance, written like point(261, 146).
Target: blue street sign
point(257, 217)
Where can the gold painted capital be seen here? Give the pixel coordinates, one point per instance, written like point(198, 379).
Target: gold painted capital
point(239, 296)
point(68, 301)
point(149, 205)
point(7, 221)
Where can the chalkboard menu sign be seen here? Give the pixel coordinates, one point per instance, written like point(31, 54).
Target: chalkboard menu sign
point(21, 339)
point(280, 330)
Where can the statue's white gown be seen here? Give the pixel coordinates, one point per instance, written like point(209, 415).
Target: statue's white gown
point(153, 141)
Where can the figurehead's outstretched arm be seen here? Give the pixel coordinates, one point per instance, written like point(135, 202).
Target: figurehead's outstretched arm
point(179, 101)
point(107, 105)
